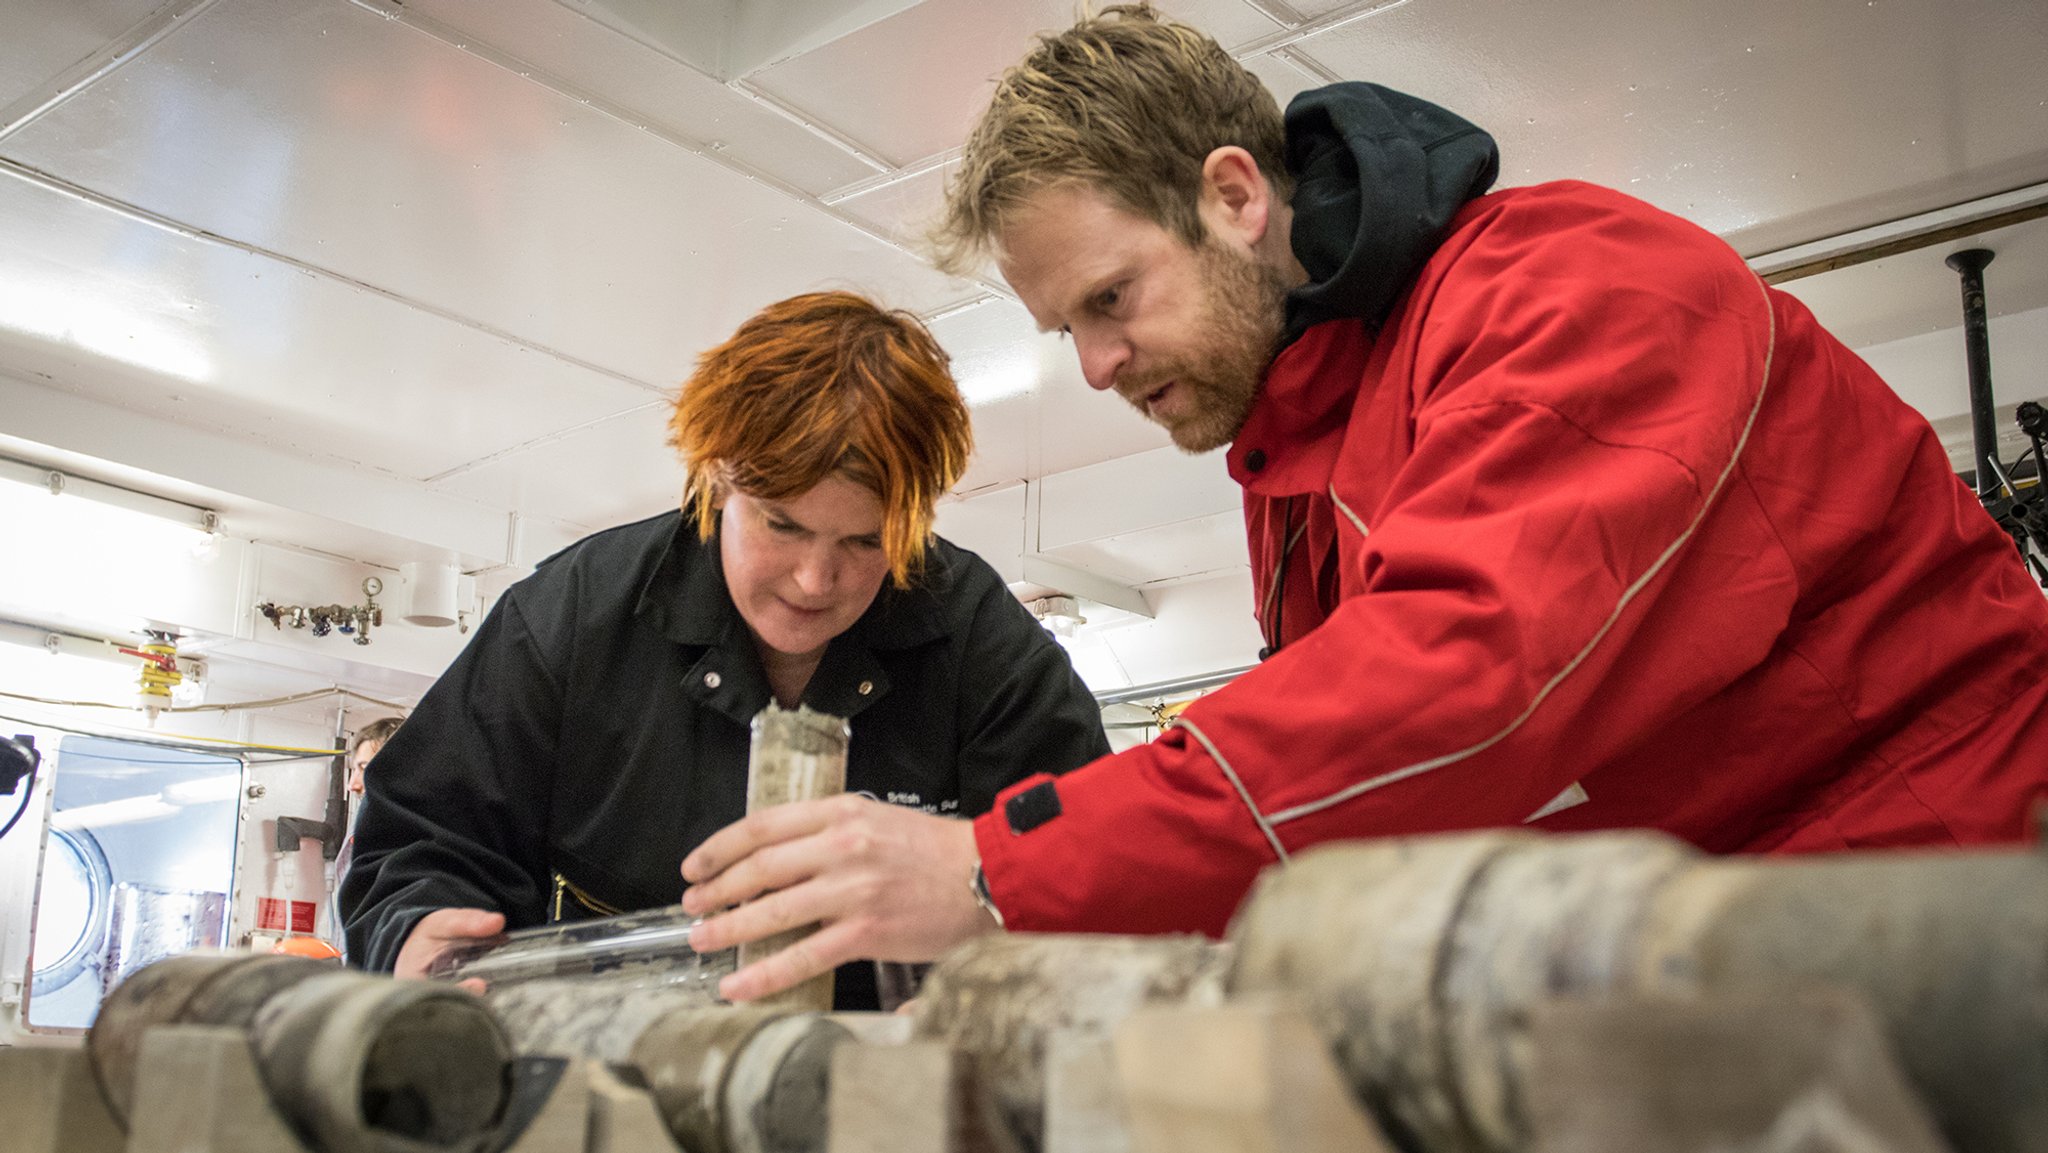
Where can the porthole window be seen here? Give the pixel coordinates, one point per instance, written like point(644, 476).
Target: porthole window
point(71, 913)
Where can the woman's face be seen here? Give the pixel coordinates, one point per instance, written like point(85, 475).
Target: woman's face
point(802, 570)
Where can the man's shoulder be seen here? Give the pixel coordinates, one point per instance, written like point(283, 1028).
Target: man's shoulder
point(1576, 216)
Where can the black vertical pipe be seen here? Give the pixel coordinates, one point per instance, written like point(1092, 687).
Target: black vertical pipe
point(1977, 345)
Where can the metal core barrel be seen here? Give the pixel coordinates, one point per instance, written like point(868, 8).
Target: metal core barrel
point(1419, 959)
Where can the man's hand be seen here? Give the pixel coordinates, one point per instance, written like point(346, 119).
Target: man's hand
point(881, 882)
point(441, 930)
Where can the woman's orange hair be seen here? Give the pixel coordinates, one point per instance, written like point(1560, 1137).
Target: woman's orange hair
point(827, 382)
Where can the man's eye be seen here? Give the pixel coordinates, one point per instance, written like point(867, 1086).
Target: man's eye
point(1108, 298)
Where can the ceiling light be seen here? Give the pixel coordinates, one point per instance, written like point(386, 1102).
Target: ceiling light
point(35, 663)
point(1061, 615)
point(116, 504)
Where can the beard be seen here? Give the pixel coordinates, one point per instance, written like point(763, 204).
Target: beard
point(1243, 309)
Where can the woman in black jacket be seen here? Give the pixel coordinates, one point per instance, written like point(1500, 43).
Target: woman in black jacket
point(595, 729)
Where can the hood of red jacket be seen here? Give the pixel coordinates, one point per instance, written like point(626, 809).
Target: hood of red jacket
point(1378, 175)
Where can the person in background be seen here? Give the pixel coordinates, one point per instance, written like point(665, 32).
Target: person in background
point(363, 747)
point(595, 729)
point(1558, 516)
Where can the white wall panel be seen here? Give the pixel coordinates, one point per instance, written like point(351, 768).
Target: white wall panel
point(1929, 370)
point(989, 524)
point(1917, 292)
point(1200, 627)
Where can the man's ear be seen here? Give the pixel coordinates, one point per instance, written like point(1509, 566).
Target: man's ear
point(1236, 203)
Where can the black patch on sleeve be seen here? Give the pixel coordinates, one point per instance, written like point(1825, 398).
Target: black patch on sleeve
point(1032, 807)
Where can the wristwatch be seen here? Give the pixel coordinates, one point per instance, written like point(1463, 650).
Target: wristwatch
point(977, 883)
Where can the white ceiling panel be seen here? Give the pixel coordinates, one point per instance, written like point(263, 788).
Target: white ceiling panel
point(566, 45)
point(213, 337)
point(1311, 9)
point(611, 472)
point(904, 209)
point(1282, 76)
point(1134, 493)
point(1769, 123)
point(908, 87)
point(1199, 547)
point(40, 39)
point(1033, 412)
point(447, 180)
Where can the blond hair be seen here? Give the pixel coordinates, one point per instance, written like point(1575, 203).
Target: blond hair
point(1123, 102)
point(819, 384)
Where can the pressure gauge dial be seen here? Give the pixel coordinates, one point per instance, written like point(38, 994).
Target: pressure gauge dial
point(372, 586)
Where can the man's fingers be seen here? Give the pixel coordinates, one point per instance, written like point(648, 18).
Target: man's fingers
point(767, 827)
point(770, 868)
point(821, 952)
point(780, 911)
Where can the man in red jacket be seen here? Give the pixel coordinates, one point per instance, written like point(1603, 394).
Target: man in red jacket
point(1558, 516)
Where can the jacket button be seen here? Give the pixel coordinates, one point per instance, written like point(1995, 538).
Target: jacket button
point(865, 688)
point(711, 680)
point(1255, 460)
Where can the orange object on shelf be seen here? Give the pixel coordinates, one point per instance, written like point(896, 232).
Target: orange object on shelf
point(312, 947)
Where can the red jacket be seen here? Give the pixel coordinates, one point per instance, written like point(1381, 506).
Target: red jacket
point(1596, 508)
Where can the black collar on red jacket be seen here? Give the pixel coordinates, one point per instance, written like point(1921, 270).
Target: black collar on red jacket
point(1378, 177)
point(1378, 174)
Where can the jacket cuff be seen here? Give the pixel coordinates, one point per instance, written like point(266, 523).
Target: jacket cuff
point(1117, 847)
